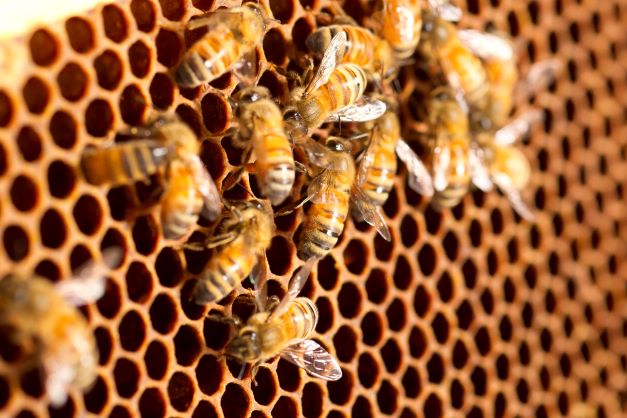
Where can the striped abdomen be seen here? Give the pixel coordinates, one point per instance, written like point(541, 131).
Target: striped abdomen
point(275, 166)
point(502, 77)
point(458, 174)
point(358, 49)
point(402, 23)
point(457, 58)
point(380, 175)
point(123, 163)
point(323, 225)
point(232, 264)
point(210, 57)
point(181, 202)
point(345, 86)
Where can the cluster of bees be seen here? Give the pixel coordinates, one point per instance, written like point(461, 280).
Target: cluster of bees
point(470, 142)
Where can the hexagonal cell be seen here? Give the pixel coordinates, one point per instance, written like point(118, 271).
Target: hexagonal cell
point(132, 331)
point(80, 34)
point(52, 229)
point(16, 242)
point(44, 48)
point(98, 118)
point(126, 376)
point(24, 193)
point(163, 314)
point(152, 403)
point(235, 401)
point(72, 81)
point(187, 345)
point(36, 95)
point(266, 389)
point(115, 23)
point(29, 144)
point(180, 391)
point(109, 69)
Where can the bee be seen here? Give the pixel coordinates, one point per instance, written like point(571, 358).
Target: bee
point(330, 192)
point(400, 25)
point(42, 317)
point(335, 92)
point(508, 168)
point(454, 159)
point(442, 46)
point(243, 237)
point(377, 166)
point(168, 145)
point(284, 329)
point(505, 87)
point(231, 38)
point(263, 137)
point(362, 48)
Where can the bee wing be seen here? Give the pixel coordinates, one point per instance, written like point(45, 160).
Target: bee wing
point(206, 187)
point(487, 45)
point(441, 164)
point(320, 190)
point(369, 212)
point(88, 284)
point(332, 55)
point(480, 173)
point(231, 17)
point(539, 76)
point(366, 160)
point(366, 109)
point(505, 185)
point(446, 10)
point(419, 178)
point(317, 153)
point(246, 67)
point(517, 128)
point(296, 285)
point(312, 357)
point(59, 377)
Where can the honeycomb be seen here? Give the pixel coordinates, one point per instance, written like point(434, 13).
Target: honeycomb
point(468, 312)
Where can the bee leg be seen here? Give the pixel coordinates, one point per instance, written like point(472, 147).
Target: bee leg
point(253, 372)
point(293, 207)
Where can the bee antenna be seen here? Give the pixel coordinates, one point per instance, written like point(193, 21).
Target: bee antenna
point(241, 371)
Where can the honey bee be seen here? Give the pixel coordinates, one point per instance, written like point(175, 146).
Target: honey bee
point(362, 48)
point(505, 88)
point(401, 25)
point(263, 137)
point(284, 329)
point(168, 145)
point(244, 236)
point(508, 167)
point(335, 92)
point(42, 317)
point(442, 46)
point(377, 166)
point(232, 36)
point(454, 158)
point(330, 193)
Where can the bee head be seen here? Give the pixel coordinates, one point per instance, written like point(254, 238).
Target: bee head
point(244, 347)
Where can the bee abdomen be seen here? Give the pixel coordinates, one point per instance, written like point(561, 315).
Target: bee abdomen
point(320, 231)
point(208, 59)
point(121, 164)
point(181, 214)
point(225, 270)
point(304, 316)
point(450, 197)
point(279, 182)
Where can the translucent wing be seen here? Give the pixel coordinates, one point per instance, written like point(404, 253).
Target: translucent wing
point(458, 91)
point(441, 165)
point(206, 187)
point(320, 191)
point(366, 109)
point(505, 185)
point(419, 178)
point(317, 153)
point(314, 359)
point(517, 128)
point(538, 77)
point(59, 377)
point(296, 285)
point(328, 63)
point(370, 213)
point(480, 173)
point(446, 10)
point(367, 159)
point(223, 17)
point(88, 284)
point(487, 45)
